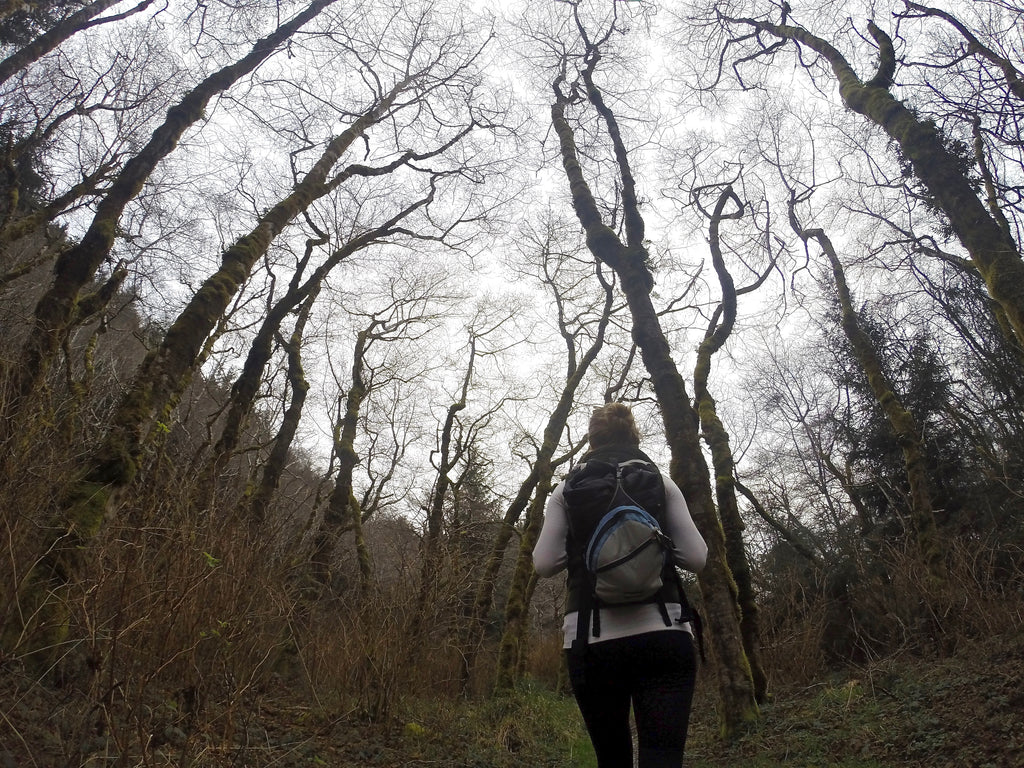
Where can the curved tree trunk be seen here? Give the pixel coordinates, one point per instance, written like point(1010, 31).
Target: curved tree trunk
point(163, 375)
point(49, 40)
point(688, 467)
point(717, 439)
point(246, 386)
point(444, 460)
point(256, 505)
point(559, 417)
point(343, 511)
point(75, 267)
point(1012, 76)
point(166, 370)
point(517, 607)
point(447, 458)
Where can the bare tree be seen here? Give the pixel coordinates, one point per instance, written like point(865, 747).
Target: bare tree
point(975, 47)
point(167, 369)
point(244, 390)
point(629, 258)
point(410, 307)
point(80, 20)
point(255, 504)
point(457, 436)
point(583, 336)
point(459, 505)
point(719, 329)
point(979, 227)
point(78, 264)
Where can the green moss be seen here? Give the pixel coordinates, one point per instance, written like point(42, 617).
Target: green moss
point(116, 467)
point(106, 228)
point(604, 243)
point(86, 507)
point(43, 606)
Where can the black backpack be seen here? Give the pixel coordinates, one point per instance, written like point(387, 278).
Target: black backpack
point(618, 551)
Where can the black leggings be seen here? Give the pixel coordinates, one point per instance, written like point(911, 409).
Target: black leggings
point(655, 672)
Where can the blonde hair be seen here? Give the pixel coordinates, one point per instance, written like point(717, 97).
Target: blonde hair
point(612, 424)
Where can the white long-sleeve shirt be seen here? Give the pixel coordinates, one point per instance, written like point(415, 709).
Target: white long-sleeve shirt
point(690, 553)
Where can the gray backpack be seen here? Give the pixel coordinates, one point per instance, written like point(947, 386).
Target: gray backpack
point(618, 541)
point(627, 554)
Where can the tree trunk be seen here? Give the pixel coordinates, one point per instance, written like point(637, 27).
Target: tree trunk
point(717, 439)
point(343, 510)
point(49, 40)
point(688, 467)
point(446, 461)
point(257, 504)
point(246, 385)
point(908, 433)
point(576, 371)
point(166, 371)
point(517, 607)
point(976, 47)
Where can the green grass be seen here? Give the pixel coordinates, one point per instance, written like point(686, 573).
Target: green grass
point(908, 711)
point(529, 726)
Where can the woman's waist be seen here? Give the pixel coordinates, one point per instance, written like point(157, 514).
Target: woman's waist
point(617, 621)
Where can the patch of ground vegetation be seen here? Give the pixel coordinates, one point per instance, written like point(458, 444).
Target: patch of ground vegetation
point(50, 726)
point(963, 711)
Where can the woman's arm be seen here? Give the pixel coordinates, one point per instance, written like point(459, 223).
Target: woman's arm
point(691, 552)
point(549, 555)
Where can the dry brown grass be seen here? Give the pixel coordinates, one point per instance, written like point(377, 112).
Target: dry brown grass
point(185, 630)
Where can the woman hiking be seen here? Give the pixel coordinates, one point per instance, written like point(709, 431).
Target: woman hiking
point(624, 654)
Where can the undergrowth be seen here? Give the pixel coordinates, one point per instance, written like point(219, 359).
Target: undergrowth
point(957, 712)
point(961, 711)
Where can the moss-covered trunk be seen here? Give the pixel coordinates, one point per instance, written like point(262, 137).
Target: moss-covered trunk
point(167, 369)
point(717, 438)
point(991, 246)
point(76, 266)
point(343, 510)
point(255, 506)
point(246, 385)
point(904, 426)
point(540, 475)
point(689, 470)
point(57, 34)
point(517, 607)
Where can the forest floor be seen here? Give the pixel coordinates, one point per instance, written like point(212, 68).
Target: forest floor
point(964, 711)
